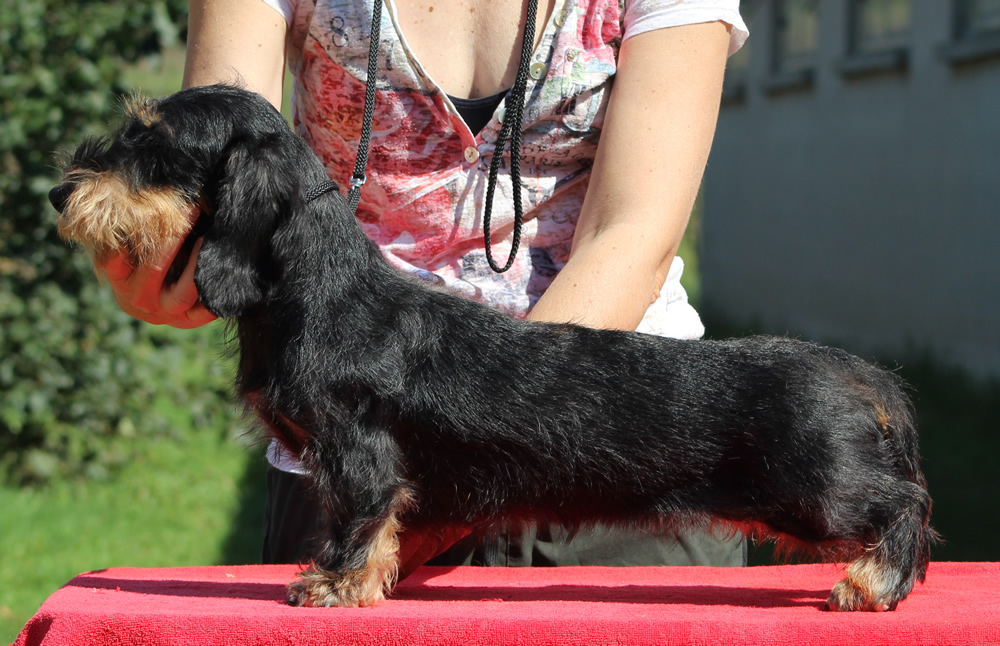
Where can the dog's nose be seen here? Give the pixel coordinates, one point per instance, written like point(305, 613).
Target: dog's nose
point(58, 196)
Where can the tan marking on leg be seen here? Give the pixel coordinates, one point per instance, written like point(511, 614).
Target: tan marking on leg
point(105, 216)
point(318, 587)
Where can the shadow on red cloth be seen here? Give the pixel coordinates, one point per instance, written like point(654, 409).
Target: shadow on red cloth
point(186, 588)
point(415, 589)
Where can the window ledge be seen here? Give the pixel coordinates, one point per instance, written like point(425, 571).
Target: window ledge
point(782, 82)
point(869, 64)
point(972, 49)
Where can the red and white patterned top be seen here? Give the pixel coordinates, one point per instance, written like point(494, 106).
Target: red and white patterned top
point(427, 172)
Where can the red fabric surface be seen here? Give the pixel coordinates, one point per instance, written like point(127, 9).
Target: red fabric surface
point(959, 604)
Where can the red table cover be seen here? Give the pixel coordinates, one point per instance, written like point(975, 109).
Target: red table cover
point(959, 604)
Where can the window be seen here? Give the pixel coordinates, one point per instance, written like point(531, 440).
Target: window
point(978, 18)
point(976, 36)
point(879, 37)
point(795, 36)
point(794, 44)
point(880, 26)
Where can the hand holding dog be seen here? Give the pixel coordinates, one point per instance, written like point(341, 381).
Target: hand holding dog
point(144, 293)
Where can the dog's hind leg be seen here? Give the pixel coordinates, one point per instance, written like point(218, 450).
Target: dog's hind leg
point(355, 560)
point(885, 573)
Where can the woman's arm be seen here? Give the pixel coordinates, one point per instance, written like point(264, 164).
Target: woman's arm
point(228, 41)
point(654, 146)
point(236, 40)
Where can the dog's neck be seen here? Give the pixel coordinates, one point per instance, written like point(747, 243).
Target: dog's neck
point(325, 247)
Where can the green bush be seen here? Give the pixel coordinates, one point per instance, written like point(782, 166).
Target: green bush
point(79, 380)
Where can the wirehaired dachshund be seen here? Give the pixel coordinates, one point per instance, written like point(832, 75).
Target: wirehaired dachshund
point(414, 410)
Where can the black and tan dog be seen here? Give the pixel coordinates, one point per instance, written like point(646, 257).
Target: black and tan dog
point(414, 409)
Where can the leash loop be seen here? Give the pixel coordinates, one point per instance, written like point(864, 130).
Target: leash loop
point(511, 128)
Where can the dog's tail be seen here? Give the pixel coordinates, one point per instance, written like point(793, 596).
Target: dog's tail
point(893, 413)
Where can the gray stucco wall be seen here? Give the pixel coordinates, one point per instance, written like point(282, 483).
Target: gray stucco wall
point(862, 211)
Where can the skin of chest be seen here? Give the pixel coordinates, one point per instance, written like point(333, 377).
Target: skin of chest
point(470, 47)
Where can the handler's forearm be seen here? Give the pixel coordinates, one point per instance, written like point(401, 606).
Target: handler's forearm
point(608, 283)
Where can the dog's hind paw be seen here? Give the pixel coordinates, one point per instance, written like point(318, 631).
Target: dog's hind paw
point(319, 588)
point(848, 597)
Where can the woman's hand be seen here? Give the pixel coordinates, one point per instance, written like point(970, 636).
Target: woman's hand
point(142, 292)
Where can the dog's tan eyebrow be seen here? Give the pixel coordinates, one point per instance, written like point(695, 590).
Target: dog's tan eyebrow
point(142, 109)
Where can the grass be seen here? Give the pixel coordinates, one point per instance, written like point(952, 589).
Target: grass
point(194, 501)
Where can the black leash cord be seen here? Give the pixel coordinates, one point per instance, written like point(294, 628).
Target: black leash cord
point(511, 129)
point(321, 189)
point(359, 178)
point(513, 119)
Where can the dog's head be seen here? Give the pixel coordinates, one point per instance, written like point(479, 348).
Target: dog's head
point(220, 154)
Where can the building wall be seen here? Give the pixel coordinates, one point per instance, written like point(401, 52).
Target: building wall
point(862, 210)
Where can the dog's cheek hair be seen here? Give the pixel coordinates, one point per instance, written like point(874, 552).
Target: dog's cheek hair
point(106, 216)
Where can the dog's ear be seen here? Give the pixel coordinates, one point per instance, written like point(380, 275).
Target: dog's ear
point(252, 195)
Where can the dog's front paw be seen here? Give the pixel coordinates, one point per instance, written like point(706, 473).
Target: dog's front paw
point(318, 588)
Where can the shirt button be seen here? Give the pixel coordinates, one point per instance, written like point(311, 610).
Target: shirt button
point(537, 71)
point(560, 17)
point(471, 154)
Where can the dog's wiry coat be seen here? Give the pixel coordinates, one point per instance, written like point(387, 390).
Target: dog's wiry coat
point(415, 409)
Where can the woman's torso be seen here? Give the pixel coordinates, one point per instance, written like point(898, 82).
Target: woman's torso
point(428, 172)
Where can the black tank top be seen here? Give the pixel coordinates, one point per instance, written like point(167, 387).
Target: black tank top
point(477, 112)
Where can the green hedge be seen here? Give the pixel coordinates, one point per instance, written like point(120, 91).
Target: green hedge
point(79, 380)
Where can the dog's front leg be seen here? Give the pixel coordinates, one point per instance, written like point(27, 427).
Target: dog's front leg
point(356, 558)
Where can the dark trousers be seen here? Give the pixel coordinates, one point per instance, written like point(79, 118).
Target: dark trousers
point(291, 518)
